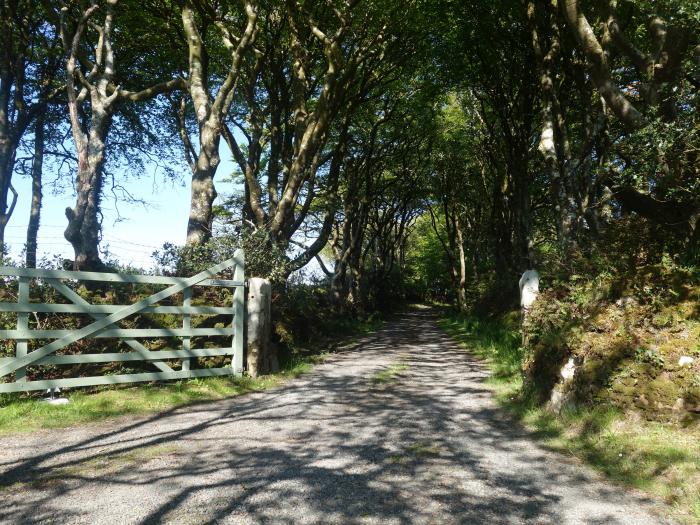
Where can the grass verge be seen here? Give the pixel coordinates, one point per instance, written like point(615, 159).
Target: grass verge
point(21, 413)
point(661, 459)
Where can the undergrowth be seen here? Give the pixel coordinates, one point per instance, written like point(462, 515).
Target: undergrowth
point(659, 458)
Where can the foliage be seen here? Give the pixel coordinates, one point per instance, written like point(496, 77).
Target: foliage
point(427, 270)
point(431, 150)
point(496, 341)
point(625, 332)
point(262, 257)
point(303, 318)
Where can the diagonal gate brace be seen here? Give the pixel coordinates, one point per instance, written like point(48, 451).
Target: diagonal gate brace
point(76, 299)
point(113, 318)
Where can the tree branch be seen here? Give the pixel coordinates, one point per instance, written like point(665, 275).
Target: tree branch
point(600, 70)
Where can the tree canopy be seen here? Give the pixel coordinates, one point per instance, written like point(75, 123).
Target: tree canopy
point(382, 139)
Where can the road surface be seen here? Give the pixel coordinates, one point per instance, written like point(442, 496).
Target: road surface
point(401, 430)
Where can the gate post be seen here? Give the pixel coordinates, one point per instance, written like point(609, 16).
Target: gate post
point(258, 353)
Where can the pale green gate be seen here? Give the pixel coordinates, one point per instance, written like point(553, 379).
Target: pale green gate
point(104, 326)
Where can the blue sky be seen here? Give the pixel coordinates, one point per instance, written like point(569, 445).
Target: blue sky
point(131, 239)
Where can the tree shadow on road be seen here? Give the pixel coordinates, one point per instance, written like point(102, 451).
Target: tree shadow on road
point(331, 447)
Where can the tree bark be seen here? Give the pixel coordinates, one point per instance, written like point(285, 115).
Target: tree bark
point(462, 288)
point(90, 123)
point(676, 216)
point(35, 210)
point(13, 110)
point(599, 68)
point(6, 165)
point(83, 230)
point(554, 143)
point(199, 225)
point(210, 112)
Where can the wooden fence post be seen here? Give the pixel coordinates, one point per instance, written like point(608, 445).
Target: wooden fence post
point(258, 352)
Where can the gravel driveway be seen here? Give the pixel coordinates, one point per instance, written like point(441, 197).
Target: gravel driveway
point(401, 430)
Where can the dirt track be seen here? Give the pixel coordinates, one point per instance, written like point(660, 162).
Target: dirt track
point(426, 445)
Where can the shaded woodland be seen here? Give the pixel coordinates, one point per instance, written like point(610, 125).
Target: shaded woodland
point(427, 150)
point(491, 138)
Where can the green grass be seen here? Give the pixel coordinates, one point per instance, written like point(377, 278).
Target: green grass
point(497, 342)
point(661, 459)
point(20, 413)
point(389, 374)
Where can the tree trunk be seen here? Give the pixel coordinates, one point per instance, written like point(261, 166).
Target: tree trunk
point(83, 228)
point(92, 100)
point(339, 246)
point(599, 67)
point(554, 142)
point(83, 222)
point(199, 226)
point(344, 284)
point(462, 288)
point(521, 213)
point(35, 211)
point(7, 161)
point(354, 298)
point(676, 216)
point(210, 111)
point(339, 281)
point(83, 231)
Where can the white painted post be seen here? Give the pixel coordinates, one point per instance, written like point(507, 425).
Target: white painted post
point(259, 323)
point(529, 290)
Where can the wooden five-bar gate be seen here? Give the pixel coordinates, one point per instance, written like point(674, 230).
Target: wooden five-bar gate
point(104, 325)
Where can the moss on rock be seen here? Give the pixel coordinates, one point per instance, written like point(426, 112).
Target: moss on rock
point(626, 336)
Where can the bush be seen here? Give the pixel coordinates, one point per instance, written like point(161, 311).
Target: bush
point(263, 258)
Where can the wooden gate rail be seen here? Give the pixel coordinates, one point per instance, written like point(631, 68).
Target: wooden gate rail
point(104, 326)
